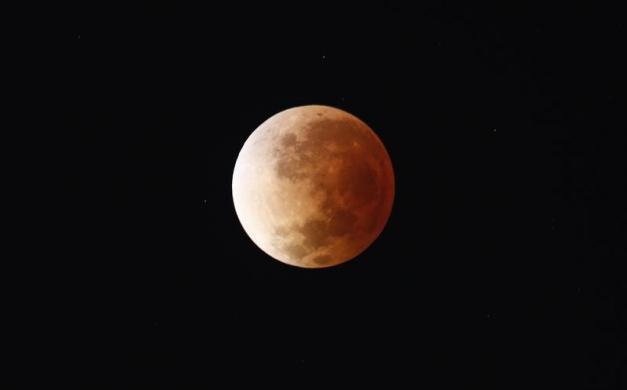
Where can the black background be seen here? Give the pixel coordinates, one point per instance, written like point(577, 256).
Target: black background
point(499, 266)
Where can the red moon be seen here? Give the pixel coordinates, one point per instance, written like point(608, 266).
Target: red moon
point(313, 186)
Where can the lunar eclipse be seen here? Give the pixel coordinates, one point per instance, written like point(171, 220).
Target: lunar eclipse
point(313, 186)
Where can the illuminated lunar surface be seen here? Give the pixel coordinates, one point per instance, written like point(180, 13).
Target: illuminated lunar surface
point(313, 186)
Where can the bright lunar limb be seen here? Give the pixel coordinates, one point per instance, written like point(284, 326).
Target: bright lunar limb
point(313, 186)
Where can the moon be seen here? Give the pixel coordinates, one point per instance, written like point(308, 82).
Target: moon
point(313, 186)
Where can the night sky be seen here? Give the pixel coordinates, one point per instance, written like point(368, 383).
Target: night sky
point(498, 268)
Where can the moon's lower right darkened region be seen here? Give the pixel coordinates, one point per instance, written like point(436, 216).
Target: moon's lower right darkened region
point(313, 186)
